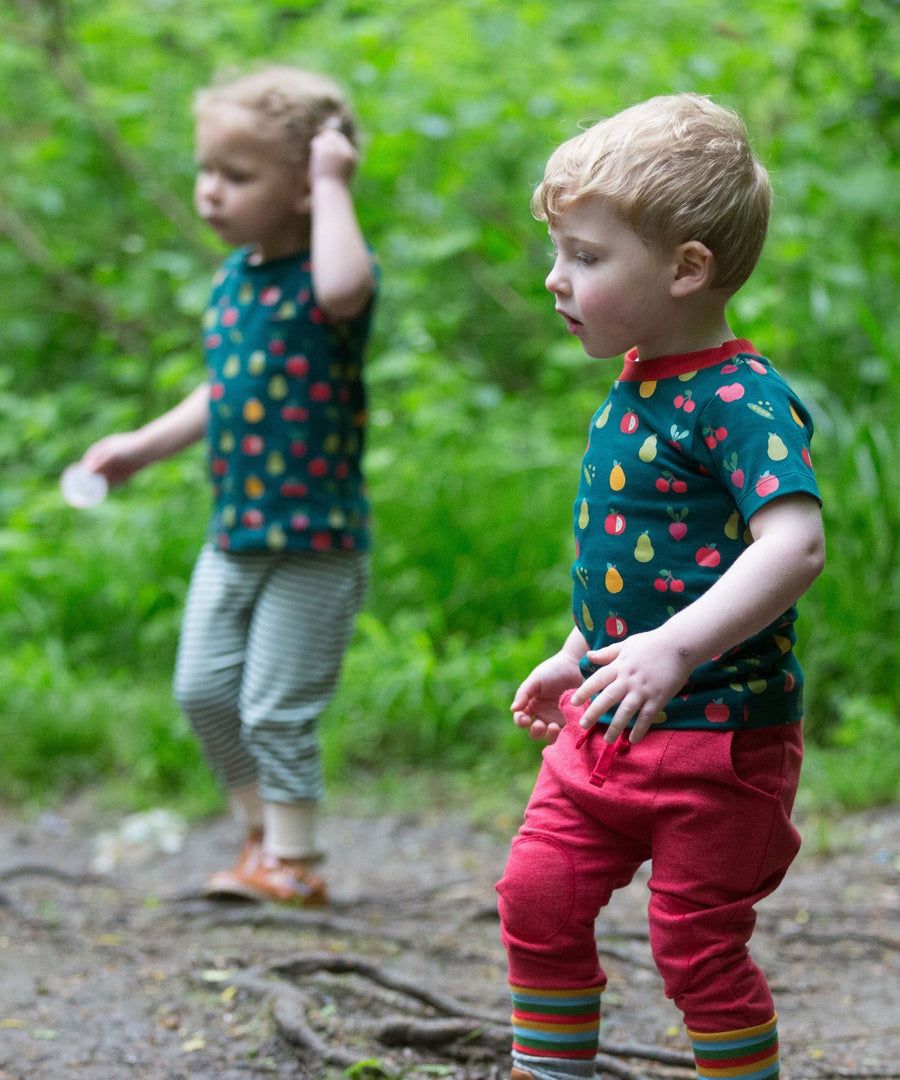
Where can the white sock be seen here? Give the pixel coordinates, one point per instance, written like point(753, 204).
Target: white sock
point(247, 807)
point(290, 829)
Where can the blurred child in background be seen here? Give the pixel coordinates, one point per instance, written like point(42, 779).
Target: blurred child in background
point(276, 588)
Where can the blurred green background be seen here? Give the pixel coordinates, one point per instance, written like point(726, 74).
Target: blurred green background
point(479, 400)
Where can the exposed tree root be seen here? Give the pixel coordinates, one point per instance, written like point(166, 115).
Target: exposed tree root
point(459, 1031)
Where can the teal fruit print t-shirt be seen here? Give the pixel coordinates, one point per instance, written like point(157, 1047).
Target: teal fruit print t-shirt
point(680, 456)
point(287, 412)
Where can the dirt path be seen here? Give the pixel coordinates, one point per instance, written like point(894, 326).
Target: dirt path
point(132, 976)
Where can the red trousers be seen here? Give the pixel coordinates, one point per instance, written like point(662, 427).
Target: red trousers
point(711, 809)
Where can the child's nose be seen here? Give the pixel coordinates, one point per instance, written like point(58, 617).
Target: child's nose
point(554, 281)
point(208, 186)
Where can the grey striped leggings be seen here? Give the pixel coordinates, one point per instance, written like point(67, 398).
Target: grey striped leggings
point(262, 642)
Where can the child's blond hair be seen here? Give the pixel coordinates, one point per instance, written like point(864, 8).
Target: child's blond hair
point(674, 168)
point(290, 104)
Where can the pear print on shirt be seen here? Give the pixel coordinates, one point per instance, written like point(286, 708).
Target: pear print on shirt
point(648, 449)
point(643, 549)
point(776, 449)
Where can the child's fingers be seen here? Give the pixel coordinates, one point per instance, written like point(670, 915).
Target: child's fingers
point(606, 655)
point(522, 700)
point(594, 684)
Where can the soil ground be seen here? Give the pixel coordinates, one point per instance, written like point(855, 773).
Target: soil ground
point(132, 975)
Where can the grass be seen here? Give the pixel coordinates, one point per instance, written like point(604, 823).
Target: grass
point(470, 589)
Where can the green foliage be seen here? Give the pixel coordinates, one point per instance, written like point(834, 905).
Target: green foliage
point(859, 764)
point(479, 403)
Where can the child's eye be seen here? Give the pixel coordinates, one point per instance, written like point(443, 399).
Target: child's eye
point(585, 258)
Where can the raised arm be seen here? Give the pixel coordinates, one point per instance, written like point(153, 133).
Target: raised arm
point(343, 280)
point(643, 672)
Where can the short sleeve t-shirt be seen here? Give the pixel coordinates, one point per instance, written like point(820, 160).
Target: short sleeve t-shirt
point(287, 412)
point(680, 456)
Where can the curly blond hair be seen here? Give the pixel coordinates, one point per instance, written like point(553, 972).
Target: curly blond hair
point(290, 104)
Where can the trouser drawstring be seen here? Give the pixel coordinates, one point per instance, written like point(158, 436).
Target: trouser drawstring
point(607, 756)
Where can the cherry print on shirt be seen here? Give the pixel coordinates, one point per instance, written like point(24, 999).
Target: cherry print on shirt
point(666, 580)
point(713, 436)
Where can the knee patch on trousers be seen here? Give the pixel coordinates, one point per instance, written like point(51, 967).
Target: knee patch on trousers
point(537, 890)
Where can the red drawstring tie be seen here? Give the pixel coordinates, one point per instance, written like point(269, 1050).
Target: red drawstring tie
point(607, 755)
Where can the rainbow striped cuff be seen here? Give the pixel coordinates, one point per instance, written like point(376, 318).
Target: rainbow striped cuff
point(746, 1054)
point(556, 1023)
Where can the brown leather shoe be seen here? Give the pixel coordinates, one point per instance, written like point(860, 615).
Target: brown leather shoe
point(258, 876)
point(221, 882)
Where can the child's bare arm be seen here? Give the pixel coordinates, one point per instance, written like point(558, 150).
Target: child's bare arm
point(643, 672)
point(120, 456)
point(343, 281)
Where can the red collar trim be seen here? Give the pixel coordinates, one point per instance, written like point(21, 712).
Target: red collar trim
point(666, 367)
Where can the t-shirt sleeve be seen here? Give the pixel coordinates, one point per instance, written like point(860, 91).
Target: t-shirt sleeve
point(754, 434)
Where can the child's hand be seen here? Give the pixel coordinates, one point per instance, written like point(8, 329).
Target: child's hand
point(640, 675)
point(536, 704)
point(331, 156)
point(117, 457)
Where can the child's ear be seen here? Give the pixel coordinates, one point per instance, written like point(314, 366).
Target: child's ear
point(695, 267)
